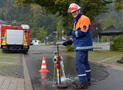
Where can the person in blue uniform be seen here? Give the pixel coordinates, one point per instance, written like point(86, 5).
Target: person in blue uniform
point(82, 39)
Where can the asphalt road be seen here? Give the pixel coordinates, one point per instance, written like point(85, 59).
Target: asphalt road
point(103, 78)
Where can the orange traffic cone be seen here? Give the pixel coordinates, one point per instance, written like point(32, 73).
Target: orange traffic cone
point(43, 71)
point(43, 66)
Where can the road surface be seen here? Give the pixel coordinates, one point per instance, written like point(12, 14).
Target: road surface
point(103, 78)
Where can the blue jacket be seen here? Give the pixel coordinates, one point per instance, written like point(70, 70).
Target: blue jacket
point(81, 34)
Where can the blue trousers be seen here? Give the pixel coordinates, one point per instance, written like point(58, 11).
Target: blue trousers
point(83, 67)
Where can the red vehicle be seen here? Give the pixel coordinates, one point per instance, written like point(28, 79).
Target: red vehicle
point(15, 38)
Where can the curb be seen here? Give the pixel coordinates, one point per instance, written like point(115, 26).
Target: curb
point(27, 80)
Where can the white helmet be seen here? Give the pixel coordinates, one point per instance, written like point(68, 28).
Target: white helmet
point(73, 7)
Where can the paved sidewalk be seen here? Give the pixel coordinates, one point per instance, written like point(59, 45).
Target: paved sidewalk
point(16, 83)
point(11, 83)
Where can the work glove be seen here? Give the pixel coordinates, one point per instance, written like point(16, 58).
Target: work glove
point(64, 43)
point(69, 42)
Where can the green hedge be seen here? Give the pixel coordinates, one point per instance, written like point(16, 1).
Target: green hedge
point(70, 48)
point(117, 44)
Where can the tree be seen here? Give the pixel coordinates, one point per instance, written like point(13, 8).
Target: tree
point(33, 14)
point(59, 29)
point(91, 8)
point(42, 33)
point(113, 17)
point(118, 4)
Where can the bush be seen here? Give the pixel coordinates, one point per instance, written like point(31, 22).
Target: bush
point(117, 44)
point(70, 48)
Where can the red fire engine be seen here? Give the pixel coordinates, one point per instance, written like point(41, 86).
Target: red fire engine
point(15, 38)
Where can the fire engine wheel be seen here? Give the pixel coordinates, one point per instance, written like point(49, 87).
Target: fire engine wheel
point(25, 51)
point(4, 51)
